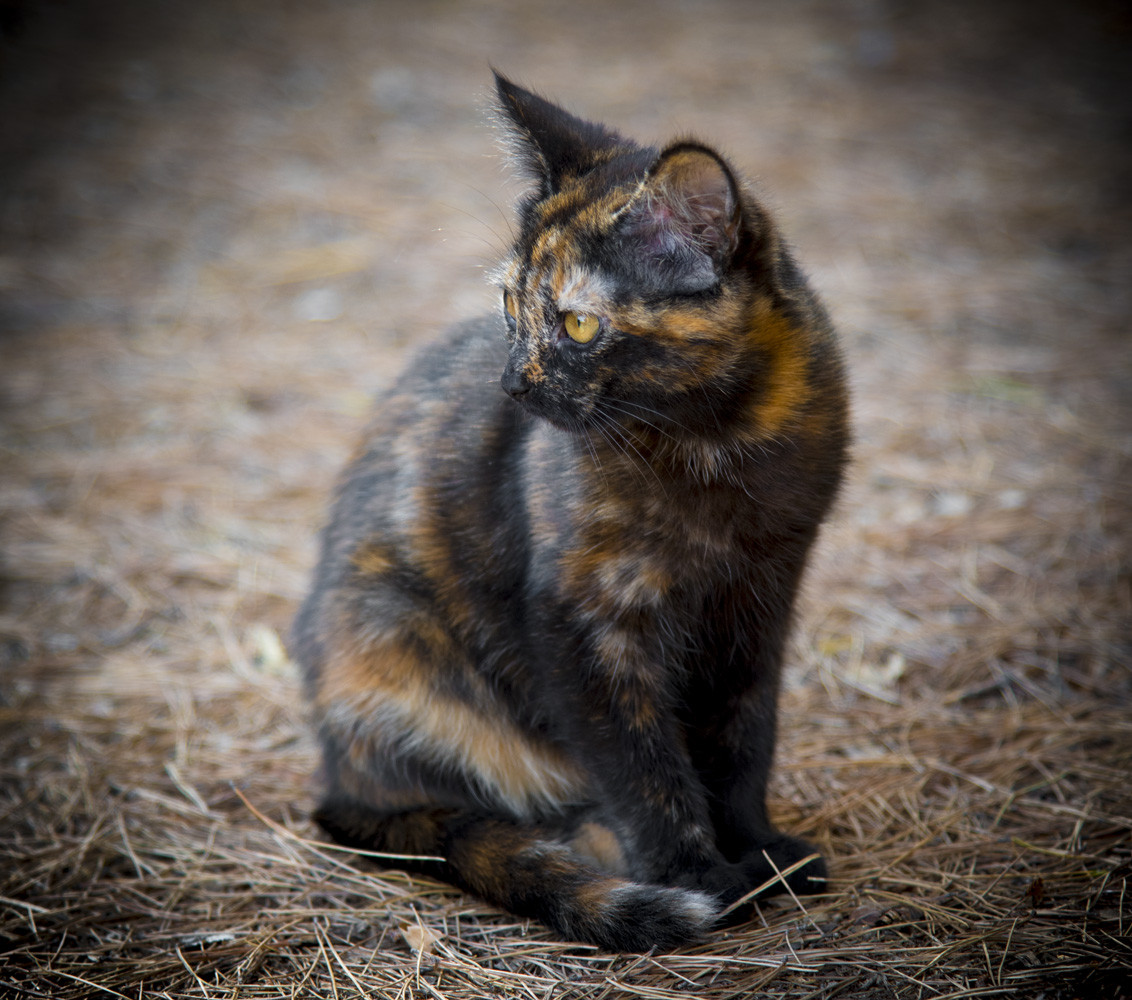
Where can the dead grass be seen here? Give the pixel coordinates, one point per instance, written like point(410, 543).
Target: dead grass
point(219, 232)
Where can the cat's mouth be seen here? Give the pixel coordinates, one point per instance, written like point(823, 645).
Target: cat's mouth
point(536, 404)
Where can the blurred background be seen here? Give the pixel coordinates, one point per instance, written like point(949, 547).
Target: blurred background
point(223, 223)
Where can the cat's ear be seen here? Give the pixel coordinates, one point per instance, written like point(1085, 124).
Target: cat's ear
point(686, 215)
point(549, 143)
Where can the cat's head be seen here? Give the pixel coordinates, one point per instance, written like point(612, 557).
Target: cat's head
point(627, 293)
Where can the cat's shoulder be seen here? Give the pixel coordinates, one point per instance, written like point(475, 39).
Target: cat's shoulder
point(456, 357)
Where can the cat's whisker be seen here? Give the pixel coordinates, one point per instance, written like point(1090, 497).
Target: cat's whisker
point(666, 417)
point(508, 224)
point(606, 431)
point(610, 404)
point(596, 460)
point(623, 444)
point(497, 243)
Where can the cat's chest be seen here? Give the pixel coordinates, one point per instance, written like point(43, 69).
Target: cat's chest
point(626, 548)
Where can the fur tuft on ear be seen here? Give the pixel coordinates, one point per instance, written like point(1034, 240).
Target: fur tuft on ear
point(550, 144)
point(686, 215)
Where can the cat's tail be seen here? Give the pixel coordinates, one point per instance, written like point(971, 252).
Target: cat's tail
point(526, 871)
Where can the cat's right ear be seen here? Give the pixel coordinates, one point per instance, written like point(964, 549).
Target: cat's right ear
point(685, 217)
point(549, 144)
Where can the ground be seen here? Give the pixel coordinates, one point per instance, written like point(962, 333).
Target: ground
point(222, 225)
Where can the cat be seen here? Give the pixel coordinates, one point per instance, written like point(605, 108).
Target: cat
point(544, 638)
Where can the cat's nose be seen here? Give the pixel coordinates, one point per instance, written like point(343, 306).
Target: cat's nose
point(514, 382)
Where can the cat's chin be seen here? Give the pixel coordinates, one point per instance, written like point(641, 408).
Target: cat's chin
point(568, 422)
point(570, 426)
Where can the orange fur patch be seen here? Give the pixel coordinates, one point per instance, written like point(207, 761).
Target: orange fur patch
point(383, 697)
point(788, 385)
point(600, 845)
point(373, 559)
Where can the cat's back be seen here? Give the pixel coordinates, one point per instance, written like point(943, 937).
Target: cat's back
point(450, 386)
point(430, 491)
point(443, 416)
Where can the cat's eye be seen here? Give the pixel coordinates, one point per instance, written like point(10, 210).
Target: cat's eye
point(510, 305)
point(581, 327)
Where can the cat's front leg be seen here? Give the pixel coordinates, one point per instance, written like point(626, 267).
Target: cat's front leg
point(732, 720)
point(627, 733)
point(762, 856)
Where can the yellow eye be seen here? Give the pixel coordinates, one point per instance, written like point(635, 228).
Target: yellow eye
point(510, 306)
point(581, 328)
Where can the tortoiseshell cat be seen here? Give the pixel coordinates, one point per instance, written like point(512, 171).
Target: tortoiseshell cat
point(545, 634)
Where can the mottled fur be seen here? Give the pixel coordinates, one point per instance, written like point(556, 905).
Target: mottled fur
point(545, 633)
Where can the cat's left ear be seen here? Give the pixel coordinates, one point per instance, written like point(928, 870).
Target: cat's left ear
point(687, 215)
point(549, 143)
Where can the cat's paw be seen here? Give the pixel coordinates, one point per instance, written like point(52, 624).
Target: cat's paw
point(765, 870)
point(771, 860)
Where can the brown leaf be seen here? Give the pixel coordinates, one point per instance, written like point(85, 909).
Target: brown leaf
point(420, 938)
